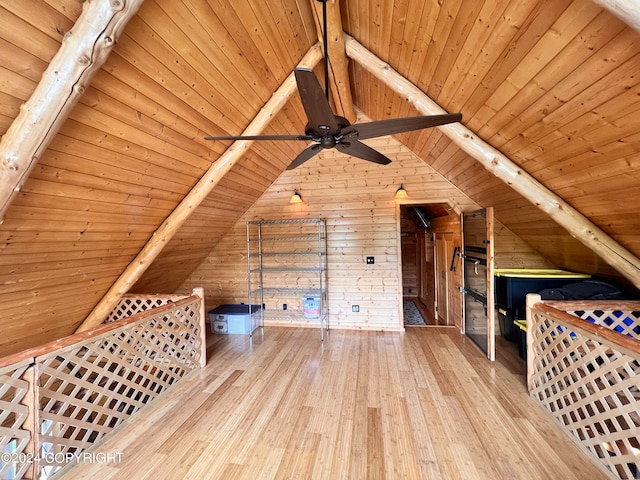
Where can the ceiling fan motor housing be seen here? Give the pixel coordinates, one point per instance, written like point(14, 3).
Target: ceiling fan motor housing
point(323, 135)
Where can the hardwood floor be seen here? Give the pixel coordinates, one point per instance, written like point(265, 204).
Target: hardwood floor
point(424, 404)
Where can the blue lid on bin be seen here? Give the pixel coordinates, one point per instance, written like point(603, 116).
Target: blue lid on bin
point(235, 309)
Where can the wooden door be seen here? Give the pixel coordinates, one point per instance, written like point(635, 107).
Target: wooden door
point(426, 267)
point(477, 252)
point(443, 251)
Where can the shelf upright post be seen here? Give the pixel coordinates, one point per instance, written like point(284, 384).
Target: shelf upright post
point(321, 268)
point(260, 276)
point(249, 273)
point(324, 282)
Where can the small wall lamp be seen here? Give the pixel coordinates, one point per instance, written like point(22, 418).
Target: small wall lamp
point(401, 192)
point(296, 198)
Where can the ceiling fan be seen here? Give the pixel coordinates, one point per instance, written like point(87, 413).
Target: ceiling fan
point(327, 130)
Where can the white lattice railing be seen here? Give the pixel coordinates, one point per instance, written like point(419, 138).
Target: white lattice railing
point(60, 399)
point(583, 365)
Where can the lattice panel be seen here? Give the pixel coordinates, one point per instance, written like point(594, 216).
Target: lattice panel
point(13, 413)
point(625, 322)
point(130, 305)
point(592, 388)
point(88, 389)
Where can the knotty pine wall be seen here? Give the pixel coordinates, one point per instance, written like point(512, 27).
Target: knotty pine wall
point(356, 198)
point(512, 252)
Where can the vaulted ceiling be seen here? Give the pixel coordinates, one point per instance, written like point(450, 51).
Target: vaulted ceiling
point(552, 85)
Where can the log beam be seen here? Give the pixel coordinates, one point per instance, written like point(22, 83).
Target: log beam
point(84, 50)
point(626, 10)
point(502, 167)
point(339, 84)
point(196, 196)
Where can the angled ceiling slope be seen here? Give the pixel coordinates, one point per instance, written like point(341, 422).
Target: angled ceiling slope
point(84, 50)
point(144, 29)
point(492, 159)
point(337, 73)
point(194, 198)
point(506, 170)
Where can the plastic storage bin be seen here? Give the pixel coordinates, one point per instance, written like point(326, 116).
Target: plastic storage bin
point(521, 327)
point(507, 328)
point(512, 285)
point(234, 318)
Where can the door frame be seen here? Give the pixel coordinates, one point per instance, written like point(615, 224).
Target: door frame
point(455, 282)
point(490, 258)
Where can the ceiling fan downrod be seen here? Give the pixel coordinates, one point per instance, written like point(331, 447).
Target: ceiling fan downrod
point(325, 46)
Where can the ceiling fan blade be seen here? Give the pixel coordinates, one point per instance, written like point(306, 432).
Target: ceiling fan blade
point(305, 155)
point(360, 150)
point(259, 137)
point(315, 103)
point(380, 128)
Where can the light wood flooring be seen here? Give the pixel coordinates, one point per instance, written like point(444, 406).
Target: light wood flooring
point(424, 404)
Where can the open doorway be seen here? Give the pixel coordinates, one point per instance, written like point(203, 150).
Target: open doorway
point(429, 233)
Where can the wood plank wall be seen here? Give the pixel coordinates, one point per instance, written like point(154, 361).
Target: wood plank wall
point(512, 252)
point(357, 200)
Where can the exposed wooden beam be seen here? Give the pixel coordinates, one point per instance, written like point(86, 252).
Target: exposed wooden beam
point(338, 62)
point(83, 51)
point(626, 10)
point(506, 170)
point(198, 193)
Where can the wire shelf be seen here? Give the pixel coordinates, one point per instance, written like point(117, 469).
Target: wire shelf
point(297, 250)
point(286, 221)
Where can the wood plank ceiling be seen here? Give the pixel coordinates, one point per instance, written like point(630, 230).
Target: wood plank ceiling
point(553, 85)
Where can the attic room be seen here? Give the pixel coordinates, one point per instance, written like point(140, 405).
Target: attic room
point(125, 219)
